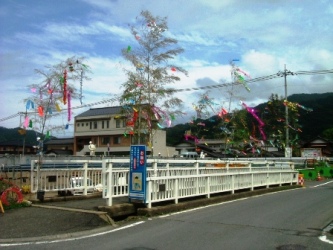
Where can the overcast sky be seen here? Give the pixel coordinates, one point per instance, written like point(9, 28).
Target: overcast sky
point(262, 35)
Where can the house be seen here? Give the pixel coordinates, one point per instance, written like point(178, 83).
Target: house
point(107, 129)
point(60, 146)
point(17, 147)
point(325, 146)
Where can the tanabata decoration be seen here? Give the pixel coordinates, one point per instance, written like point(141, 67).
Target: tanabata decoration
point(243, 72)
point(65, 87)
point(40, 111)
point(241, 80)
point(162, 117)
point(69, 108)
point(173, 69)
point(30, 105)
point(294, 106)
point(30, 124)
point(129, 48)
point(187, 137)
point(26, 122)
point(253, 113)
point(222, 112)
point(139, 67)
point(67, 126)
point(57, 107)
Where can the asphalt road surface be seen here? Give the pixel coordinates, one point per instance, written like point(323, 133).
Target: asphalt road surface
point(284, 220)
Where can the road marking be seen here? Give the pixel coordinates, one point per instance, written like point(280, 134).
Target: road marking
point(324, 239)
point(70, 239)
point(322, 184)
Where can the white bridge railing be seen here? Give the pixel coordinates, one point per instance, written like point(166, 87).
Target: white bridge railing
point(167, 179)
point(176, 179)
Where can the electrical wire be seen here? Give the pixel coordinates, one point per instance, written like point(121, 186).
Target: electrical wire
point(258, 79)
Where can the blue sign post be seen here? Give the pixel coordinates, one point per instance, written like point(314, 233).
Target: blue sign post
point(138, 173)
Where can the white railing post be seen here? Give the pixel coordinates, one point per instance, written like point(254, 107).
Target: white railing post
point(196, 164)
point(85, 178)
point(208, 187)
point(32, 176)
point(149, 193)
point(107, 182)
point(232, 184)
point(176, 191)
point(155, 168)
point(252, 185)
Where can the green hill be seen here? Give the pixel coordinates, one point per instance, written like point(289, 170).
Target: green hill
point(312, 123)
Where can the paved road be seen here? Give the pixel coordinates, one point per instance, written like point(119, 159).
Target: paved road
point(285, 220)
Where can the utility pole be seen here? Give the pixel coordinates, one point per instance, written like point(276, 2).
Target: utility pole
point(286, 106)
point(286, 72)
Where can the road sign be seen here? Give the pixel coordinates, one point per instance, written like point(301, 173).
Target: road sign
point(138, 173)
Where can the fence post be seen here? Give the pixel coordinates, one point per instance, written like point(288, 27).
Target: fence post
point(155, 167)
point(280, 184)
point(208, 187)
point(196, 164)
point(107, 181)
point(32, 180)
point(252, 185)
point(148, 193)
point(85, 178)
point(176, 191)
point(232, 184)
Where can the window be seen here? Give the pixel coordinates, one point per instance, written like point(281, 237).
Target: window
point(116, 140)
point(124, 123)
point(117, 123)
point(105, 140)
point(102, 124)
point(78, 124)
point(107, 124)
point(95, 124)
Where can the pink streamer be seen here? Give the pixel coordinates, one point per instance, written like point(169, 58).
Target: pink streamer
point(26, 122)
point(69, 106)
point(261, 124)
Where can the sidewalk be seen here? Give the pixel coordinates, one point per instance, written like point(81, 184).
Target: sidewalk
point(54, 217)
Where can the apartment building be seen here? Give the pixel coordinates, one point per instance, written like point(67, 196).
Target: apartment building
point(106, 128)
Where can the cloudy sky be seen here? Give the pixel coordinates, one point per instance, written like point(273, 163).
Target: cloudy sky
point(263, 36)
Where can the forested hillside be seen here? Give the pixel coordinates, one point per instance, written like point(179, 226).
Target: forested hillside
point(311, 123)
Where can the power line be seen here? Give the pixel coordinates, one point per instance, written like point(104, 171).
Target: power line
point(262, 78)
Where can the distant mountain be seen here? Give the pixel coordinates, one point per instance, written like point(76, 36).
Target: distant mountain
point(18, 135)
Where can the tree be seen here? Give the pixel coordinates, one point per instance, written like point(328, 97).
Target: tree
point(53, 94)
point(147, 102)
point(55, 90)
point(328, 134)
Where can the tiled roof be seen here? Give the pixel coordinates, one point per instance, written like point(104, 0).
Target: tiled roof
point(60, 141)
point(101, 111)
